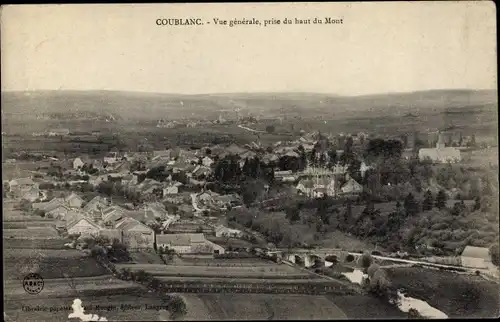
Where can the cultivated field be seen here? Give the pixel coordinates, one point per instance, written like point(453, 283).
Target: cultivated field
point(55, 243)
point(110, 306)
point(240, 262)
point(70, 286)
point(49, 263)
point(146, 258)
point(267, 271)
point(260, 307)
point(366, 307)
point(23, 224)
point(285, 280)
point(31, 233)
point(455, 294)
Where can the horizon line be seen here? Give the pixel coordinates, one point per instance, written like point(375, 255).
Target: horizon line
point(253, 92)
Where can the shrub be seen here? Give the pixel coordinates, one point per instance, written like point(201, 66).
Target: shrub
point(177, 307)
point(365, 260)
point(414, 314)
point(372, 269)
point(495, 254)
point(97, 252)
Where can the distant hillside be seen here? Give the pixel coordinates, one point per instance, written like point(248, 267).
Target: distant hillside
point(127, 107)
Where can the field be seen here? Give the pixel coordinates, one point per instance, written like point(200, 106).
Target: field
point(55, 243)
point(260, 307)
point(366, 307)
point(19, 169)
point(146, 258)
point(107, 304)
point(483, 158)
point(71, 286)
point(455, 294)
point(31, 233)
point(240, 262)
point(264, 272)
point(23, 223)
point(469, 111)
point(49, 263)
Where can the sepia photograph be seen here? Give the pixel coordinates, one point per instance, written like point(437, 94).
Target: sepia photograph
point(250, 161)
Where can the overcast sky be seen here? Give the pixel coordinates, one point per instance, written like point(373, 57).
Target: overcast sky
point(384, 47)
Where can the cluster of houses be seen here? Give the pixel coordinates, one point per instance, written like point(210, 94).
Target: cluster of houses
point(99, 217)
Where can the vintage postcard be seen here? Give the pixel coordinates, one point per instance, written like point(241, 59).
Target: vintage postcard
point(250, 161)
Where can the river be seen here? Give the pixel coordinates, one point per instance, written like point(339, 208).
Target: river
point(405, 303)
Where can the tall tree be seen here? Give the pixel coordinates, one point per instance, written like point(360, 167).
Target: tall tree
point(428, 203)
point(411, 205)
point(332, 157)
point(477, 204)
point(441, 199)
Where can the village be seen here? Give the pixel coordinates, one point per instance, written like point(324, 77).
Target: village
point(342, 215)
point(163, 200)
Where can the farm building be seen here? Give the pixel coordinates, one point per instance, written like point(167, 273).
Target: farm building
point(188, 243)
point(476, 257)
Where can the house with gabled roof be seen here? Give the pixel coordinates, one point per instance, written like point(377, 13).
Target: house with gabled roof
point(49, 205)
point(32, 194)
point(113, 213)
point(476, 257)
point(156, 209)
point(58, 212)
point(74, 200)
point(172, 188)
point(95, 207)
point(78, 163)
point(136, 235)
point(95, 204)
point(207, 161)
point(351, 187)
point(20, 185)
point(181, 243)
point(82, 226)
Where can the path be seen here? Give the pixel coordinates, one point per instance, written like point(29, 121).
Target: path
point(249, 129)
point(195, 204)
